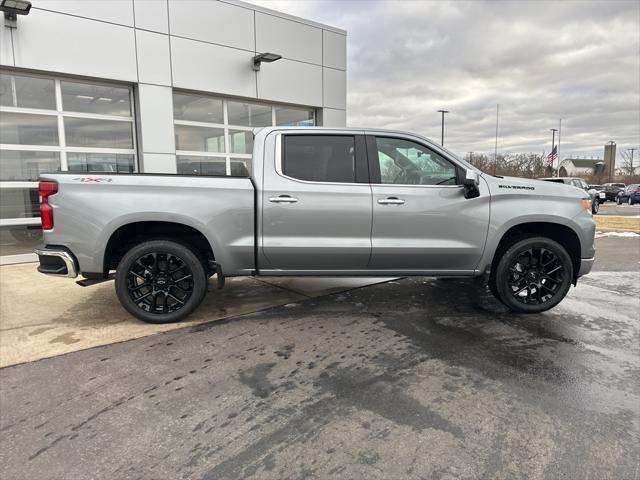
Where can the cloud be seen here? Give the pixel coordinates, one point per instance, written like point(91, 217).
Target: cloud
point(540, 60)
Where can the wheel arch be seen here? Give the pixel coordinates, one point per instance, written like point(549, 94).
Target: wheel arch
point(128, 235)
point(563, 234)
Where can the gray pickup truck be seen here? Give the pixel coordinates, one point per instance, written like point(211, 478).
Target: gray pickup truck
point(316, 201)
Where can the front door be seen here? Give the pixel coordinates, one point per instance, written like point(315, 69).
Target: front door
point(316, 203)
point(421, 219)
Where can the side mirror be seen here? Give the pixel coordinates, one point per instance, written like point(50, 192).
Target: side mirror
point(471, 184)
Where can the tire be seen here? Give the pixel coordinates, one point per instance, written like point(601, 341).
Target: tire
point(524, 270)
point(619, 201)
point(630, 202)
point(595, 206)
point(160, 281)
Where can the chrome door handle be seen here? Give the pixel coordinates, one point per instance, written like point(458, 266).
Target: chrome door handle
point(391, 201)
point(283, 199)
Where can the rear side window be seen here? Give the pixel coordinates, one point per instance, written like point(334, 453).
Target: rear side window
point(319, 158)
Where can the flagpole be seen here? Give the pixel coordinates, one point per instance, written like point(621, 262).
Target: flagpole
point(495, 152)
point(553, 149)
point(559, 133)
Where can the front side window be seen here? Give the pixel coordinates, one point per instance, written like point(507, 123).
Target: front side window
point(403, 162)
point(319, 158)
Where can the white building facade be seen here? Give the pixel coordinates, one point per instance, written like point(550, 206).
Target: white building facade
point(153, 86)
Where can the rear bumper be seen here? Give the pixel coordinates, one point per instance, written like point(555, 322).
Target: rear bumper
point(585, 266)
point(56, 261)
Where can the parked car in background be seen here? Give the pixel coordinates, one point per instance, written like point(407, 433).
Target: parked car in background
point(611, 191)
point(630, 195)
point(596, 197)
point(599, 189)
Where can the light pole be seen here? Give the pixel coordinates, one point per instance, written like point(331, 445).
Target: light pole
point(442, 130)
point(471, 158)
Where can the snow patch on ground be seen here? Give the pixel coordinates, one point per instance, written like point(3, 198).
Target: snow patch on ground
point(617, 234)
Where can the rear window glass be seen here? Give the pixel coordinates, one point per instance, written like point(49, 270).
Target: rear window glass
point(319, 158)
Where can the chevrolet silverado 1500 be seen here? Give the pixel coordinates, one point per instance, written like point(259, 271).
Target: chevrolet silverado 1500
point(316, 201)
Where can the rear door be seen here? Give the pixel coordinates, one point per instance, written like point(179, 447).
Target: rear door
point(316, 203)
point(421, 219)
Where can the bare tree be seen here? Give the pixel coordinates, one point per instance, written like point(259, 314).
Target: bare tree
point(528, 165)
point(627, 168)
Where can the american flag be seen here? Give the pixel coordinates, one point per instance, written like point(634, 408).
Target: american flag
point(551, 157)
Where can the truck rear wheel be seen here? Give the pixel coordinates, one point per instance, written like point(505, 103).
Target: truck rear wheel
point(533, 275)
point(160, 281)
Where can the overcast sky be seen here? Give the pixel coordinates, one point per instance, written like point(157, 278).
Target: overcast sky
point(541, 61)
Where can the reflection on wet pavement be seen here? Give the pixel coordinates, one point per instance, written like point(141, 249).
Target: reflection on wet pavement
point(412, 378)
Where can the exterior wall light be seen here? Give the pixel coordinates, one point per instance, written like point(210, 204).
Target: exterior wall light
point(13, 8)
point(264, 57)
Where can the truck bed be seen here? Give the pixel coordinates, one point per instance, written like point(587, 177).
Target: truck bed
point(89, 208)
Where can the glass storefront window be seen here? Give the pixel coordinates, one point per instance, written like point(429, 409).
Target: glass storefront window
point(196, 165)
point(6, 91)
point(294, 117)
point(98, 133)
point(28, 129)
point(240, 167)
point(248, 114)
point(197, 108)
point(97, 99)
point(49, 124)
point(27, 92)
point(224, 126)
point(19, 203)
point(241, 141)
point(27, 166)
point(100, 162)
point(19, 239)
point(199, 139)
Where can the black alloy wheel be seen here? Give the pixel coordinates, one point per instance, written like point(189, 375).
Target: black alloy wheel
point(533, 275)
point(160, 281)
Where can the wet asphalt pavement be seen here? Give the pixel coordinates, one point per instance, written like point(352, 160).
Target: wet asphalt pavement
point(611, 208)
point(414, 378)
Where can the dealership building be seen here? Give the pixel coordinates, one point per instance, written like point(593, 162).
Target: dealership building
point(153, 86)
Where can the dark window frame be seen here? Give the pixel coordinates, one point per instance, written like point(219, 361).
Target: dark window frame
point(361, 164)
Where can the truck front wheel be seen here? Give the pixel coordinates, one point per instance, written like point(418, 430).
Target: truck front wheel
point(160, 281)
point(533, 275)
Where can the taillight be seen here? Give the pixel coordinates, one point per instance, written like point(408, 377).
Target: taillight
point(46, 189)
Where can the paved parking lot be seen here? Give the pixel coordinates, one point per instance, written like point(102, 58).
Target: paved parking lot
point(63, 317)
point(611, 208)
point(411, 378)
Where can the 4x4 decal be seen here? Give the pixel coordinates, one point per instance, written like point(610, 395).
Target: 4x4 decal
point(93, 179)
